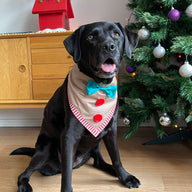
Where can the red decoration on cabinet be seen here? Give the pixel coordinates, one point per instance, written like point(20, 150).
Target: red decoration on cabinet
point(53, 13)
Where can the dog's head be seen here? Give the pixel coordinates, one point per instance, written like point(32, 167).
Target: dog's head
point(98, 49)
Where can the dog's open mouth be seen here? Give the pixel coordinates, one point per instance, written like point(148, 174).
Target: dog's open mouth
point(108, 66)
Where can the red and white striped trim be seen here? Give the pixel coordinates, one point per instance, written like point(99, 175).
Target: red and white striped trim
point(94, 131)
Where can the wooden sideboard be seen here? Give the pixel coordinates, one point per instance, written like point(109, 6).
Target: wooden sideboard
point(32, 67)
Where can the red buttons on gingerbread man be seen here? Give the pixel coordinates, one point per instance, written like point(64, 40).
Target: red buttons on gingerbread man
point(97, 118)
point(100, 102)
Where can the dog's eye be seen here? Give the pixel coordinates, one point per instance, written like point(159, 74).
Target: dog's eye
point(116, 35)
point(90, 37)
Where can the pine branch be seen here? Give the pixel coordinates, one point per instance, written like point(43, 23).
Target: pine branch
point(136, 104)
point(137, 113)
point(180, 107)
point(182, 44)
point(161, 104)
point(158, 127)
point(186, 90)
point(133, 128)
point(153, 21)
point(159, 36)
point(142, 54)
point(169, 3)
point(132, 4)
point(144, 4)
point(189, 117)
point(154, 80)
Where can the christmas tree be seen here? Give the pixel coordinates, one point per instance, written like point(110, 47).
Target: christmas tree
point(157, 82)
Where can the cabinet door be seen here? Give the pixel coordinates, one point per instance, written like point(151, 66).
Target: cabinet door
point(14, 69)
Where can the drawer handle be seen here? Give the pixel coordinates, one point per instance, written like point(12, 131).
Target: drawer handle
point(22, 68)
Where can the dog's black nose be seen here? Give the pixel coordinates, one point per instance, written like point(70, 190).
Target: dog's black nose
point(109, 47)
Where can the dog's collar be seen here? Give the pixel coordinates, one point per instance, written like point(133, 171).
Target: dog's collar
point(93, 111)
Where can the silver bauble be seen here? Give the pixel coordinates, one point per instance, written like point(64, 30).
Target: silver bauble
point(143, 33)
point(165, 120)
point(159, 51)
point(188, 11)
point(126, 121)
point(185, 70)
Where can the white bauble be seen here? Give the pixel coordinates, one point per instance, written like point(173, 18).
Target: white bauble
point(143, 33)
point(159, 51)
point(188, 11)
point(165, 120)
point(185, 70)
point(126, 121)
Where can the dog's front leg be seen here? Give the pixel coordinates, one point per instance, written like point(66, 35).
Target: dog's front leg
point(70, 138)
point(111, 144)
point(67, 147)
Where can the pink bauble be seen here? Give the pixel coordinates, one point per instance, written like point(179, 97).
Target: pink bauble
point(174, 15)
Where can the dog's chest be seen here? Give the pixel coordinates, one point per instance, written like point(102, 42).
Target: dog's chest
point(88, 141)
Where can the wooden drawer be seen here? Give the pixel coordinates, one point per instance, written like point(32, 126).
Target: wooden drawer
point(45, 88)
point(14, 69)
point(47, 42)
point(50, 71)
point(53, 55)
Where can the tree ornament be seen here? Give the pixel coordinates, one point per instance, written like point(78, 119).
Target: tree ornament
point(159, 51)
point(180, 57)
point(130, 69)
point(126, 121)
point(143, 33)
point(174, 14)
point(165, 120)
point(188, 11)
point(133, 74)
point(186, 70)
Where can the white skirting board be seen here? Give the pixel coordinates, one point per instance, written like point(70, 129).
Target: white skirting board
point(21, 117)
point(33, 118)
point(26, 118)
point(20, 123)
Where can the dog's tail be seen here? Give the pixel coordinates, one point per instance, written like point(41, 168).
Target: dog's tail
point(24, 151)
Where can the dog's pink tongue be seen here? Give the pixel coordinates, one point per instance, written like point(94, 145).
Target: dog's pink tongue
point(108, 68)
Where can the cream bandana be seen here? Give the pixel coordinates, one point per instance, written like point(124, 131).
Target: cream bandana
point(93, 111)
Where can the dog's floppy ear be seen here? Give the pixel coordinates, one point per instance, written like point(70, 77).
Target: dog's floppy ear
point(131, 40)
point(72, 44)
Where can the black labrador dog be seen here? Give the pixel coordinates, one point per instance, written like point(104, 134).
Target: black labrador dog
point(65, 142)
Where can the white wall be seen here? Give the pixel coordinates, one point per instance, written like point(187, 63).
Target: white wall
point(87, 11)
point(16, 16)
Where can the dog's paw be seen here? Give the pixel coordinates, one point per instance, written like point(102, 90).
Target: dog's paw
point(25, 188)
point(131, 182)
